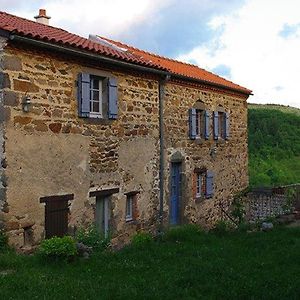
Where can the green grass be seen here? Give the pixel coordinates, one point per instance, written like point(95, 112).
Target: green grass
point(185, 265)
point(274, 145)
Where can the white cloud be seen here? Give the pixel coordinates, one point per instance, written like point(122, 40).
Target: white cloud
point(97, 16)
point(248, 41)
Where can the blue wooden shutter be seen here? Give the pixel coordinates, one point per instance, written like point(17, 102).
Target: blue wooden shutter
point(112, 98)
point(209, 184)
point(83, 94)
point(226, 126)
point(206, 124)
point(192, 123)
point(216, 125)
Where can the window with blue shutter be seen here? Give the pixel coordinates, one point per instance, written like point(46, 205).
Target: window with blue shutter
point(216, 125)
point(206, 125)
point(97, 96)
point(112, 98)
point(83, 95)
point(226, 126)
point(209, 184)
point(192, 123)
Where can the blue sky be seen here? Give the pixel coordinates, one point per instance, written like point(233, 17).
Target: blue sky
point(251, 42)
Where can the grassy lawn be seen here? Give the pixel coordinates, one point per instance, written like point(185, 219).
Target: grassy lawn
point(185, 265)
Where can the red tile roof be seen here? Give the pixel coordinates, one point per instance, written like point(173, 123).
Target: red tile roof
point(37, 31)
point(181, 68)
point(56, 35)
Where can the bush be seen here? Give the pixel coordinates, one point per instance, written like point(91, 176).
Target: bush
point(91, 237)
point(58, 248)
point(141, 239)
point(182, 233)
point(3, 239)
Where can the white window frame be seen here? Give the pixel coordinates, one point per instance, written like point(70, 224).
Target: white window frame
point(199, 124)
point(199, 185)
point(129, 208)
point(97, 114)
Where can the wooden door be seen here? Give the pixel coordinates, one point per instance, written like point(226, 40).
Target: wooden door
point(175, 193)
point(56, 215)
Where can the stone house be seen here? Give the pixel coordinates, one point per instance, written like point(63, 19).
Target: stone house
point(96, 131)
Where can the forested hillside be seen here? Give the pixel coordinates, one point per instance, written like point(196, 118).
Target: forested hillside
point(274, 145)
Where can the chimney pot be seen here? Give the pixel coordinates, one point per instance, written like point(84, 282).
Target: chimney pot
point(42, 17)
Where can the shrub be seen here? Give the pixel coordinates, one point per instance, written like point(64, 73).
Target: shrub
point(238, 208)
point(91, 237)
point(3, 239)
point(141, 239)
point(58, 248)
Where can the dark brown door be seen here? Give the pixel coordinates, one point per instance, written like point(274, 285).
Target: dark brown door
point(56, 215)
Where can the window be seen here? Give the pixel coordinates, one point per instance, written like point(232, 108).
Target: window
point(131, 207)
point(221, 125)
point(200, 184)
point(97, 96)
point(198, 124)
point(203, 183)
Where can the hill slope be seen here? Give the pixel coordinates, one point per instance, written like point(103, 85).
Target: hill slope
point(274, 145)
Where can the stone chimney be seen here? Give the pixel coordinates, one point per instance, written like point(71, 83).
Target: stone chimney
point(42, 17)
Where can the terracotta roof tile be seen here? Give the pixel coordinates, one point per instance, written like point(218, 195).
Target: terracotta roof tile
point(117, 50)
point(51, 34)
point(181, 68)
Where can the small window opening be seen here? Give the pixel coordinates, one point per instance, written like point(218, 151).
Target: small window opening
point(200, 184)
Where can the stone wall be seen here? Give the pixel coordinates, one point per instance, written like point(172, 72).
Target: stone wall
point(261, 206)
point(51, 151)
point(4, 83)
point(230, 164)
point(271, 202)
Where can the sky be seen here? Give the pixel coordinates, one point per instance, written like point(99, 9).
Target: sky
point(254, 43)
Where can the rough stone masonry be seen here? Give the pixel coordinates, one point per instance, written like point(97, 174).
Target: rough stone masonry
point(51, 151)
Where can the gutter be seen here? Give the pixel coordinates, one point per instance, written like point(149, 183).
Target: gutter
point(186, 78)
point(161, 96)
point(85, 54)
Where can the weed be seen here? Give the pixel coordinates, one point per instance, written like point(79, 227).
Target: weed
point(58, 248)
point(91, 237)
